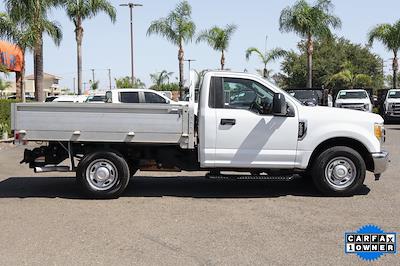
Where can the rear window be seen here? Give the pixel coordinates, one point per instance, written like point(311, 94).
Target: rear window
point(129, 97)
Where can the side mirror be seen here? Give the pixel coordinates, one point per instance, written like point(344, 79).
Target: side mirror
point(279, 106)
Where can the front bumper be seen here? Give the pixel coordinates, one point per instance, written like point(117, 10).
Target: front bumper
point(381, 161)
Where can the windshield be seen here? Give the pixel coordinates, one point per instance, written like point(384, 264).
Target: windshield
point(353, 95)
point(304, 94)
point(394, 94)
point(97, 98)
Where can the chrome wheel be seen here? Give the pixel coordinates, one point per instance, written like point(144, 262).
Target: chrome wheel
point(101, 174)
point(340, 172)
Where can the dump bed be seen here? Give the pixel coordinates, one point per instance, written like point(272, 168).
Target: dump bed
point(129, 123)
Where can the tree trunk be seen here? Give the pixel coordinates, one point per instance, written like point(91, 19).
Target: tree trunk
point(181, 74)
point(23, 87)
point(18, 87)
point(310, 50)
point(395, 69)
point(79, 37)
point(38, 60)
point(265, 71)
point(222, 60)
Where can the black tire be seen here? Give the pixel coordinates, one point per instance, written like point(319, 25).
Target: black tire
point(119, 169)
point(320, 171)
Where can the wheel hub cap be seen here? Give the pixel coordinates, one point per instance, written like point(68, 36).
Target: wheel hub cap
point(340, 172)
point(101, 174)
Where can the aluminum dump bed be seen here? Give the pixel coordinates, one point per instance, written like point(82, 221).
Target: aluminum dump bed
point(123, 123)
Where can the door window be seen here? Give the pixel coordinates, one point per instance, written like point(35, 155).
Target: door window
point(244, 94)
point(151, 97)
point(129, 97)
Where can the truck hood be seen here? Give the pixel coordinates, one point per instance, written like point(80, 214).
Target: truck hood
point(364, 101)
point(338, 115)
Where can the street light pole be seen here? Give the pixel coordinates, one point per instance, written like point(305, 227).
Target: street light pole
point(131, 6)
point(190, 61)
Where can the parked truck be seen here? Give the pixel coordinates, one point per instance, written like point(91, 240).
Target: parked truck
point(391, 106)
point(244, 125)
point(354, 99)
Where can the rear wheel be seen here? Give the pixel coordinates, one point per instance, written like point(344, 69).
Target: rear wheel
point(339, 171)
point(103, 174)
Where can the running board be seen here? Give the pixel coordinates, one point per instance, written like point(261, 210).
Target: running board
point(46, 169)
point(253, 177)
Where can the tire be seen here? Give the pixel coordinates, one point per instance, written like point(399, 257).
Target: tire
point(339, 171)
point(103, 175)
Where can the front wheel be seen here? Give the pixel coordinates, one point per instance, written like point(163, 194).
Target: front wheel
point(103, 174)
point(339, 171)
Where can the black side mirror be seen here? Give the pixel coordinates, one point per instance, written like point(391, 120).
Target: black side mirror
point(279, 106)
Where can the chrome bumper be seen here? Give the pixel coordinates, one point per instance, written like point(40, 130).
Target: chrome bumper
point(381, 161)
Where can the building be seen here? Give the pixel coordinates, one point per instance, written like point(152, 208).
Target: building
point(50, 87)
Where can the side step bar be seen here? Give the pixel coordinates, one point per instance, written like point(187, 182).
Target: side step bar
point(46, 169)
point(252, 177)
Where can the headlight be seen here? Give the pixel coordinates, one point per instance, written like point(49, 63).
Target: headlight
point(379, 132)
point(366, 106)
point(338, 105)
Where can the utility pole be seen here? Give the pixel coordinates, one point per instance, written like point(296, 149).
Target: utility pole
point(93, 80)
point(73, 86)
point(109, 77)
point(131, 6)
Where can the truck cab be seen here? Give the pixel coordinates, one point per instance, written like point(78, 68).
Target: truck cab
point(392, 105)
point(354, 99)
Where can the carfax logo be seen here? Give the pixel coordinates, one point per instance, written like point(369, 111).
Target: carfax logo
point(370, 242)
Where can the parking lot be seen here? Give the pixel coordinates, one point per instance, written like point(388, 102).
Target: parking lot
point(185, 219)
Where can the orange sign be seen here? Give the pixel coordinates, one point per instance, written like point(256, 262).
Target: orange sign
point(11, 56)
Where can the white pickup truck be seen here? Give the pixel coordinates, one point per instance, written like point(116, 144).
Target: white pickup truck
point(244, 124)
point(392, 105)
point(354, 99)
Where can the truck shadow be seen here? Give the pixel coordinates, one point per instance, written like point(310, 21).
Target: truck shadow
point(191, 187)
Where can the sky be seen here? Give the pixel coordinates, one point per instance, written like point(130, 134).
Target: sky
point(107, 45)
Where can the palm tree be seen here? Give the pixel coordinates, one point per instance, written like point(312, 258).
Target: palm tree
point(178, 28)
point(309, 22)
point(349, 78)
point(3, 86)
point(22, 36)
point(33, 14)
point(126, 83)
point(218, 39)
point(389, 36)
point(78, 11)
point(266, 57)
point(160, 78)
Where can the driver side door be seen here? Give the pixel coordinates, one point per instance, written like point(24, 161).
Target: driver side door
point(248, 135)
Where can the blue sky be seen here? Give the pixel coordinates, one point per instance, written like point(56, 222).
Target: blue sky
point(107, 45)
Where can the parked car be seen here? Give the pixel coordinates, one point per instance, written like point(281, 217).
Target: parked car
point(27, 97)
point(50, 99)
point(137, 96)
point(354, 99)
point(392, 105)
point(273, 136)
point(70, 99)
point(307, 97)
point(96, 98)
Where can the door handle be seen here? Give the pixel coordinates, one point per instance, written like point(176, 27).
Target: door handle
point(231, 122)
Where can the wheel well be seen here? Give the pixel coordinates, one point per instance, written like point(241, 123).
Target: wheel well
point(348, 142)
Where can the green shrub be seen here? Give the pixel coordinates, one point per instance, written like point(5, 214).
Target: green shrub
point(5, 114)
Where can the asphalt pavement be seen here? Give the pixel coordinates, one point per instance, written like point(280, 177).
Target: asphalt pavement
point(186, 219)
